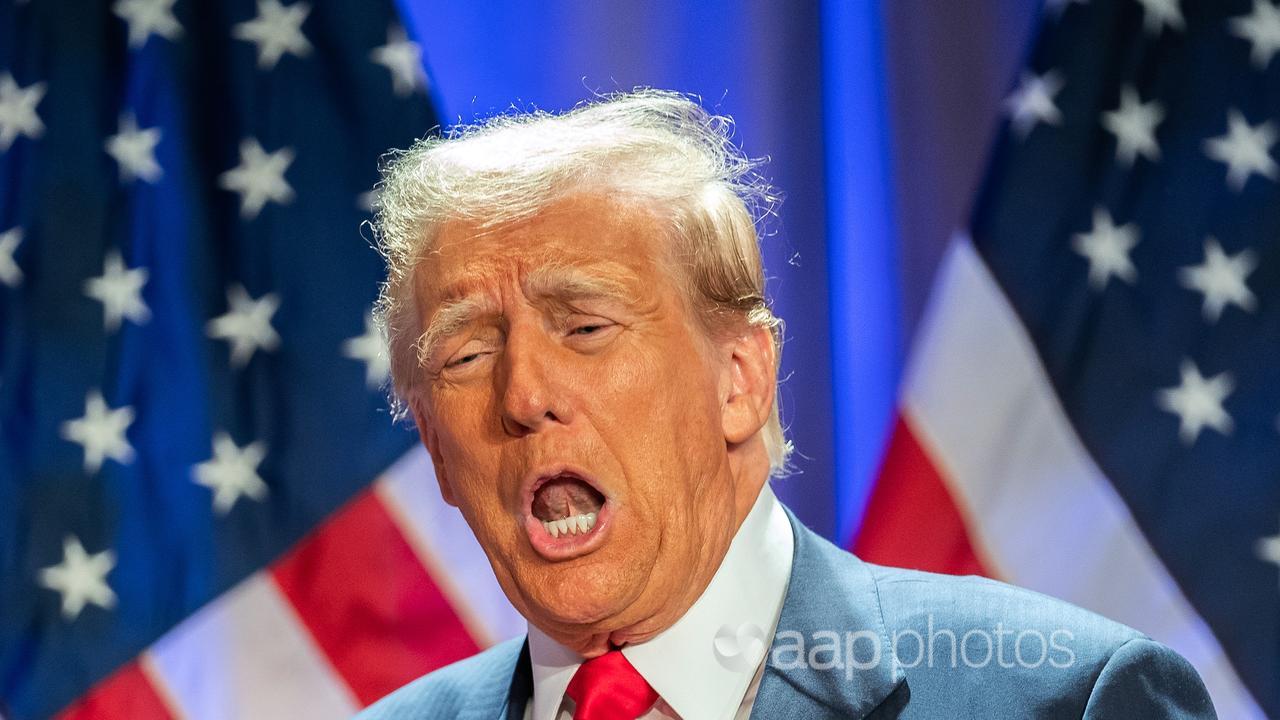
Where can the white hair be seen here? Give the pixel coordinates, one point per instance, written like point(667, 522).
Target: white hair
point(656, 147)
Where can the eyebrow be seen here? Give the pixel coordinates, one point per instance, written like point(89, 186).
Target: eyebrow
point(451, 317)
point(564, 283)
point(567, 282)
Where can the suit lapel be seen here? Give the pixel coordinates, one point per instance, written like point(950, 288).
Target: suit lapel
point(500, 689)
point(521, 690)
point(829, 591)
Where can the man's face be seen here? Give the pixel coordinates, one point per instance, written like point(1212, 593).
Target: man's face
point(569, 383)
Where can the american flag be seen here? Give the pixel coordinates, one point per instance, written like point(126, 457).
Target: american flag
point(205, 509)
point(1093, 405)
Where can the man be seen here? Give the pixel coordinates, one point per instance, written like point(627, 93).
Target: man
point(577, 324)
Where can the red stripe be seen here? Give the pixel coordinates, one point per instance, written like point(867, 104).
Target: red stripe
point(912, 520)
point(127, 695)
point(362, 592)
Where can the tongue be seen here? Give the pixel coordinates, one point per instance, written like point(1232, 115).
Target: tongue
point(565, 497)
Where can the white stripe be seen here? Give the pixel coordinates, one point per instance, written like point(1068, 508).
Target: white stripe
point(446, 545)
point(147, 666)
point(247, 655)
point(1046, 516)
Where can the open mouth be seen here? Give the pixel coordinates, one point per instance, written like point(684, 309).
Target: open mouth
point(567, 513)
point(566, 505)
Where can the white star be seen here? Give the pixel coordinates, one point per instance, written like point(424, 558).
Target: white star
point(232, 472)
point(404, 59)
point(120, 292)
point(1262, 29)
point(18, 110)
point(101, 432)
point(246, 325)
point(372, 349)
point(1134, 125)
point(276, 30)
point(1107, 247)
point(146, 17)
point(1268, 549)
point(1158, 13)
point(80, 578)
point(259, 177)
point(10, 273)
point(1032, 102)
point(1222, 279)
point(1198, 402)
point(1244, 149)
point(135, 150)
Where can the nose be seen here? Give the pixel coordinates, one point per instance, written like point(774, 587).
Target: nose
point(532, 396)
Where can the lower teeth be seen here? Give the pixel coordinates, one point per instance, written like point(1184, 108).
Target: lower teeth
point(573, 525)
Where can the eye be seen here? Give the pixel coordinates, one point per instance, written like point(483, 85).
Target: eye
point(589, 334)
point(462, 360)
point(468, 355)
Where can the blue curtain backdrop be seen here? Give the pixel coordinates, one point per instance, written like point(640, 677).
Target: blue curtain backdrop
point(876, 115)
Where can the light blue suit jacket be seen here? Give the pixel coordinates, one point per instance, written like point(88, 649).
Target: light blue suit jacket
point(1069, 663)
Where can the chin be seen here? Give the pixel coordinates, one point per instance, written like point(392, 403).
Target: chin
point(581, 595)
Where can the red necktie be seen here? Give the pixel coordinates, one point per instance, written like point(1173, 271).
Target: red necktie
point(609, 688)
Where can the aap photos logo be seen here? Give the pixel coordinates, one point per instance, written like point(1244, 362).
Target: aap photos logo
point(739, 649)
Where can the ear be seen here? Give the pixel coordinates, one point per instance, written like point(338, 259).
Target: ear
point(748, 384)
point(432, 442)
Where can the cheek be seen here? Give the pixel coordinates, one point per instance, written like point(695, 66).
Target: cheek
point(656, 405)
point(643, 392)
point(470, 461)
point(661, 368)
point(459, 412)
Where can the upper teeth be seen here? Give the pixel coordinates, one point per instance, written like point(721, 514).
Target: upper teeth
point(570, 525)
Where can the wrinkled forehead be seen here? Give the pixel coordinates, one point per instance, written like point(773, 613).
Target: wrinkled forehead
point(578, 241)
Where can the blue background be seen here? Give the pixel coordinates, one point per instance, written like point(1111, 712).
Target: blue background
point(877, 115)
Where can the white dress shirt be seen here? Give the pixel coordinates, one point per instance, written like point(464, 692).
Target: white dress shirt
point(682, 662)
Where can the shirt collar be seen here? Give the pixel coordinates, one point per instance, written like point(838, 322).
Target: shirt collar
point(682, 662)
